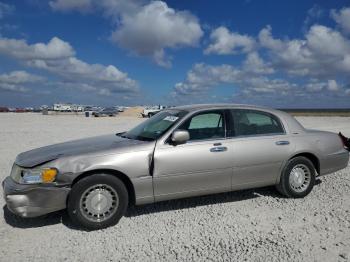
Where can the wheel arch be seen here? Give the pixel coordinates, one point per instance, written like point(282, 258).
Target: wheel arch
point(312, 157)
point(123, 177)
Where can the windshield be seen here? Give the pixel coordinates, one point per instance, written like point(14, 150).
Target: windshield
point(156, 126)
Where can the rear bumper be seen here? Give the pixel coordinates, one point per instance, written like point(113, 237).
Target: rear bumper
point(33, 200)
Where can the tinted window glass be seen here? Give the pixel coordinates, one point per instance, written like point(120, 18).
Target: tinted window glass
point(251, 122)
point(207, 125)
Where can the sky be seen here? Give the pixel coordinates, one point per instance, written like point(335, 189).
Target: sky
point(283, 54)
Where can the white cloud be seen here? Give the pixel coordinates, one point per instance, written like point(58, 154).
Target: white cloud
point(323, 53)
point(225, 42)
point(156, 27)
point(58, 57)
point(54, 49)
point(332, 85)
point(255, 64)
point(144, 29)
point(342, 18)
point(16, 80)
point(77, 71)
point(20, 77)
point(203, 77)
point(314, 13)
point(6, 9)
point(315, 87)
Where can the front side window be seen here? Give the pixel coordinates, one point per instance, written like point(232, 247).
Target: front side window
point(253, 122)
point(208, 125)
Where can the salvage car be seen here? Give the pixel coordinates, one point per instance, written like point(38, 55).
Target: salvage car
point(109, 111)
point(151, 111)
point(180, 152)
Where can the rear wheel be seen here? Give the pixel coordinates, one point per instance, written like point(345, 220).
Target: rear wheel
point(97, 201)
point(297, 178)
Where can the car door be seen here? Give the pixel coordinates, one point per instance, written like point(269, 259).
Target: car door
point(259, 146)
point(200, 166)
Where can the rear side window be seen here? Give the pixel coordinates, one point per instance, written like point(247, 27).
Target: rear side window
point(208, 125)
point(253, 122)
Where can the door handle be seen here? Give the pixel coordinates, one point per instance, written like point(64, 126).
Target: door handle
point(218, 149)
point(282, 143)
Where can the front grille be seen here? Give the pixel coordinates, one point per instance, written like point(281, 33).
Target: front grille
point(16, 173)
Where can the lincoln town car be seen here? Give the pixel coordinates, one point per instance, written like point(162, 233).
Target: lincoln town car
point(180, 152)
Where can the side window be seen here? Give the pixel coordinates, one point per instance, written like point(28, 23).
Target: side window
point(207, 125)
point(252, 122)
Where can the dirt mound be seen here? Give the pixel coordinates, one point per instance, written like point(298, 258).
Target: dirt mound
point(132, 111)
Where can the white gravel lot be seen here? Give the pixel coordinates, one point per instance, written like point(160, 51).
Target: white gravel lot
point(251, 225)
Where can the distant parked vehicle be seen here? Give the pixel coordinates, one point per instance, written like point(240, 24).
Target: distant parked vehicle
point(151, 111)
point(20, 110)
point(109, 111)
point(4, 109)
point(68, 107)
point(120, 109)
point(62, 107)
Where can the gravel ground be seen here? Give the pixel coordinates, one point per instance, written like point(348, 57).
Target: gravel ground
point(252, 225)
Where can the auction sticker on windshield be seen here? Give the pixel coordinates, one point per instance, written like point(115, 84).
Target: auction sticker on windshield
point(171, 118)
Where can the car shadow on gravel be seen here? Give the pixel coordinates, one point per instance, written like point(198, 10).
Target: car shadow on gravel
point(234, 196)
point(192, 202)
point(45, 220)
point(134, 211)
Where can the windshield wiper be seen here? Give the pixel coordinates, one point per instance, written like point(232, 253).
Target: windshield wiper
point(122, 135)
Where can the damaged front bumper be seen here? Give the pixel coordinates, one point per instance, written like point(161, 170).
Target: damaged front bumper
point(33, 200)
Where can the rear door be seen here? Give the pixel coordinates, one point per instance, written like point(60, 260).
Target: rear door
point(201, 166)
point(259, 146)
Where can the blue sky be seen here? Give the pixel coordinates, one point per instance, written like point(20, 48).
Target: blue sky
point(112, 52)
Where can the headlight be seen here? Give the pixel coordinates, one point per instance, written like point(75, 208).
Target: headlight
point(36, 176)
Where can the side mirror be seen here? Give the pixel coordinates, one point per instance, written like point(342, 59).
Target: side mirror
point(180, 137)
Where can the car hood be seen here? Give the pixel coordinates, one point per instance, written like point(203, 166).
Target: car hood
point(97, 145)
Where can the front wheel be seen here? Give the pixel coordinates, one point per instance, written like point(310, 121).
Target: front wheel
point(97, 201)
point(297, 178)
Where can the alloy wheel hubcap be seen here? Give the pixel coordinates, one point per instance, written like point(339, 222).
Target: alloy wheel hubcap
point(99, 202)
point(300, 177)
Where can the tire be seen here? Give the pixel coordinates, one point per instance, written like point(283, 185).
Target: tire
point(297, 178)
point(93, 193)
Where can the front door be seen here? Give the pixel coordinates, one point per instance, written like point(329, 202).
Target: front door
point(201, 166)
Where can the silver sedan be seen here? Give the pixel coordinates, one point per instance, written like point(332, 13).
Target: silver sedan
point(180, 152)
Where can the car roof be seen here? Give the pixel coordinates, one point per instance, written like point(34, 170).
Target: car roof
point(196, 107)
